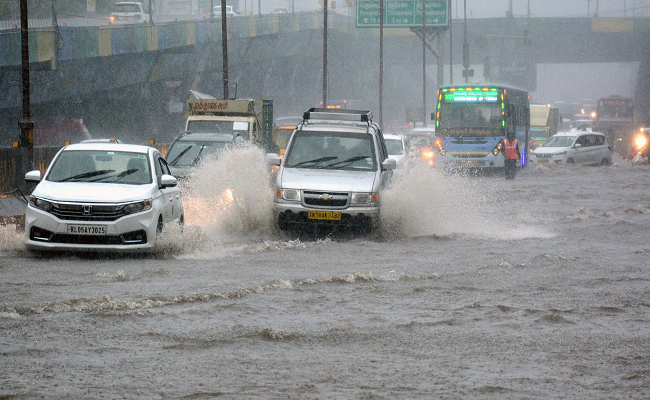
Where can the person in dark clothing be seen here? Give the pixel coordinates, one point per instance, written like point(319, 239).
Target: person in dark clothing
point(510, 150)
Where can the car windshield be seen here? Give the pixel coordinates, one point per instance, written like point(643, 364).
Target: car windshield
point(101, 166)
point(127, 8)
point(394, 147)
point(282, 136)
point(419, 141)
point(331, 150)
point(211, 126)
point(559, 141)
point(187, 154)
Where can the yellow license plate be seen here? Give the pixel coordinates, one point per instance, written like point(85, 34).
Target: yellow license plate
point(542, 161)
point(469, 163)
point(328, 215)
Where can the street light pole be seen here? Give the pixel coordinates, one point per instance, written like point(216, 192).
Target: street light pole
point(465, 45)
point(424, 65)
point(324, 53)
point(381, 61)
point(224, 48)
point(26, 124)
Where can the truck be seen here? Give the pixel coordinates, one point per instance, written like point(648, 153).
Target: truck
point(213, 125)
point(248, 118)
point(544, 123)
point(615, 118)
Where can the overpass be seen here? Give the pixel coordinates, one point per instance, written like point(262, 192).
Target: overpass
point(130, 81)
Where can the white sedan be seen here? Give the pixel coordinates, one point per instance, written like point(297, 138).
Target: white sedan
point(102, 196)
point(575, 147)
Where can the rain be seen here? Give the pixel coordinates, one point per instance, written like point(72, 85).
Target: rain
point(471, 286)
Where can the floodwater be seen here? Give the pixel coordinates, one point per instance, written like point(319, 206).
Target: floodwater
point(478, 288)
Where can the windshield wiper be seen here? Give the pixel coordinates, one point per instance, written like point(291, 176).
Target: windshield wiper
point(88, 174)
point(346, 162)
point(181, 154)
point(314, 161)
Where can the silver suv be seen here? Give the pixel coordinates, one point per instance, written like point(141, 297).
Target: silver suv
point(333, 172)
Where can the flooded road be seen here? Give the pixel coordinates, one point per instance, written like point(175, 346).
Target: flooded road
point(478, 288)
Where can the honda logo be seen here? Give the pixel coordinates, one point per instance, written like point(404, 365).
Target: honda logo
point(87, 210)
point(325, 197)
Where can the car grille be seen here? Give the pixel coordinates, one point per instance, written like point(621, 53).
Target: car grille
point(88, 212)
point(325, 199)
point(129, 238)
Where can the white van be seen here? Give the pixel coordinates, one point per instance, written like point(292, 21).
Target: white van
point(576, 147)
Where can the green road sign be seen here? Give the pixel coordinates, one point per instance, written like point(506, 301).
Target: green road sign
point(403, 13)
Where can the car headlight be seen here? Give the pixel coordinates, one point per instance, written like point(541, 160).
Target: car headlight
point(40, 204)
point(560, 153)
point(364, 198)
point(137, 207)
point(288, 194)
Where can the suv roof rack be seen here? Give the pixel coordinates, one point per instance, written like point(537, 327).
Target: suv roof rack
point(338, 115)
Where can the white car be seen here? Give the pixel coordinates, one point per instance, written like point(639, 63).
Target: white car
point(229, 11)
point(396, 146)
point(129, 12)
point(576, 147)
point(102, 196)
point(333, 173)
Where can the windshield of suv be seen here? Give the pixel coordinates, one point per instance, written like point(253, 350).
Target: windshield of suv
point(559, 141)
point(127, 8)
point(331, 150)
point(101, 166)
point(211, 126)
point(187, 154)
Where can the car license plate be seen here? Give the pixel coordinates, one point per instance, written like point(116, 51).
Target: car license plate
point(542, 161)
point(86, 230)
point(328, 215)
point(469, 163)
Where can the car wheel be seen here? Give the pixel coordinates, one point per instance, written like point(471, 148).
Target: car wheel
point(159, 226)
point(604, 162)
point(570, 161)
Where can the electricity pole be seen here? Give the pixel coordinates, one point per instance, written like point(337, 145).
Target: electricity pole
point(26, 124)
point(381, 62)
point(224, 48)
point(465, 45)
point(324, 53)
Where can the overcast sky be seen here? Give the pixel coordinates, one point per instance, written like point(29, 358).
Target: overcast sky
point(498, 8)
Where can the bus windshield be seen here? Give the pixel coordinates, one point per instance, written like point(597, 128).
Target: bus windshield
point(470, 119)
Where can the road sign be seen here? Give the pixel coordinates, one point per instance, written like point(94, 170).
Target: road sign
point(403, 13)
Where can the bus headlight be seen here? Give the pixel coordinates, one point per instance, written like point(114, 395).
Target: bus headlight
point(497, 148)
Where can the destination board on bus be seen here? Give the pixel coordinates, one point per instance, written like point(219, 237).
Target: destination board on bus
point(491, 95)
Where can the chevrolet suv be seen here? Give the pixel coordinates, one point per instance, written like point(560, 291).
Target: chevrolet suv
point(333, 172)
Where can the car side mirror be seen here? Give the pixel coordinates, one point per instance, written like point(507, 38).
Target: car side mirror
point(577, 145)
point(167, 181)
point(33, 176)
point(389, 164)
point(273, 159)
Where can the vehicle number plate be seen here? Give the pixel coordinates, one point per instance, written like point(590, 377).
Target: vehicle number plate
point(542, 161)
point(469, 163)
point(329, 215)
point(86, 230)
